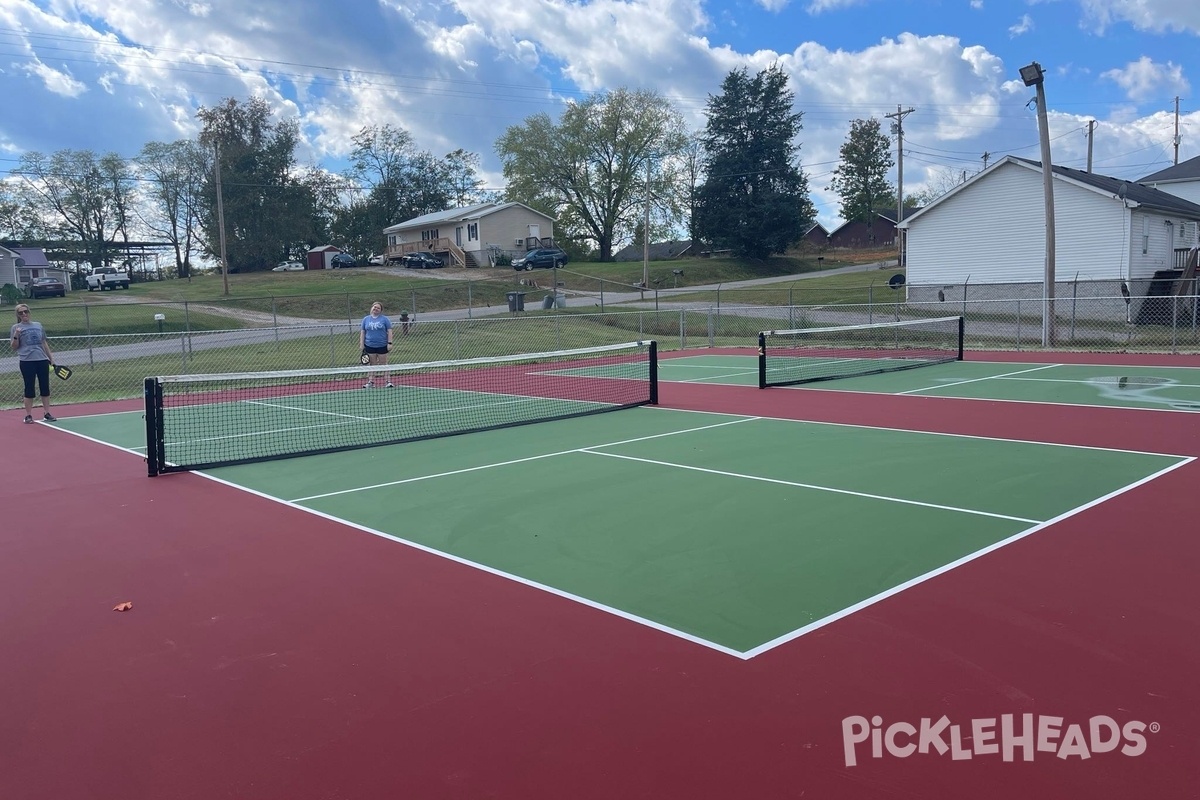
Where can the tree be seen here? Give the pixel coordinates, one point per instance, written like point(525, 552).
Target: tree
point(755, 197)
point(590, 170)
point(173, 176)
point(17, 220)
point(269, 211)
point(398, 182)
point(81, 197)
point(861, 178)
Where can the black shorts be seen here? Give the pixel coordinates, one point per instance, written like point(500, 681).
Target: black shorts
point(376, 351)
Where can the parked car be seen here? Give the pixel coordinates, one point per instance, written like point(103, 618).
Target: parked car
point(422, 260)
point(102, 278)
point(342, 261)
point(289, 266)
point(47, 287)
point(541, 258)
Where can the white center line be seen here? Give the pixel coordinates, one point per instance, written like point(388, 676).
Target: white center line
point(987, 378)
point(816, 487)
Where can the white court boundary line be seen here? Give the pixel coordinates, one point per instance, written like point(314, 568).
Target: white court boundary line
point(870, 601)
point(742, 655)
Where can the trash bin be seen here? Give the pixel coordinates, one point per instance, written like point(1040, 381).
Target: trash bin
point(516, 301)
point(548, 302)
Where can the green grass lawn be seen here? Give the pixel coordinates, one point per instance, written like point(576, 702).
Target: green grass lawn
point(260, 299)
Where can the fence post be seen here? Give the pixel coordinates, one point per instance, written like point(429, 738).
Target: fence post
point(871, 302)
point(87, 324)
point(469, 301)
point(1074, 298)
point(1174, 325)
point(183, 350)
point(187, 323)
point(332, 348)
point(711, 329)
point(682, 329)
point(275, 320)
point(1018, 324)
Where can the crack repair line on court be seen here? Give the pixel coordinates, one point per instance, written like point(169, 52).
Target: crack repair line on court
point(817, 488)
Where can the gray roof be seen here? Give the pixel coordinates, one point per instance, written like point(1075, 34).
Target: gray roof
point(459, 214)
point(1135, 192)
point(1187, 171)
point(33, 256)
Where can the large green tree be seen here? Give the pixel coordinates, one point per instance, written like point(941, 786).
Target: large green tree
point(599, 168)
point(82, 197)
point(172, 175)
point(754, 199)
point(861, 177)
point(268, 208)
point(397, 182)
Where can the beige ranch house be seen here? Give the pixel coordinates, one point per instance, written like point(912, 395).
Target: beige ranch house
point(473, 236)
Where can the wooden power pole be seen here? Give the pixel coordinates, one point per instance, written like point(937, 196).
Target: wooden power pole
point(898, 127)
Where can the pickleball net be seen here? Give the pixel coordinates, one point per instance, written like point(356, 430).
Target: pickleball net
point(818, 354)
point(207, 421)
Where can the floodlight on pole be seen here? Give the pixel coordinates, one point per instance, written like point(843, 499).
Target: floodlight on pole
point(1033, 75)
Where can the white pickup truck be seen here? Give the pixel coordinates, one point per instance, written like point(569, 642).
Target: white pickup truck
point(107, 278)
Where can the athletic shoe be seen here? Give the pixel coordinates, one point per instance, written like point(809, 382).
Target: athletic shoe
point(391, 385)
point(49, 417)
point(369, 385)
point(28, 420)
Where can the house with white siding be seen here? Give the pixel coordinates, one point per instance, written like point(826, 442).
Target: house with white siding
point(991, 230)
point(1181, 180)
point(472, 236)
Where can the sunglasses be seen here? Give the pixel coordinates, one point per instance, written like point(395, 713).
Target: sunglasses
point(23, 311)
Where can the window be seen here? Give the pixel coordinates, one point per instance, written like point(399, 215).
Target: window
point(473, 232)
point(1145, 235)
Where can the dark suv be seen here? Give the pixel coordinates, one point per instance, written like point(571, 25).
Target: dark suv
point(541, 258)
point(342, 261)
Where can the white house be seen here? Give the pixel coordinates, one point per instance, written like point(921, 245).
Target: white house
point(1181, 180)
point(472, 236)
point(20, 265)
point(991, 230)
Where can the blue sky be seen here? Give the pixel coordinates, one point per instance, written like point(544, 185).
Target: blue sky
point(111, 76)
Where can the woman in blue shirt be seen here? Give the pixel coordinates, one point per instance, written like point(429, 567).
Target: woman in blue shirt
point(375, 339)
point(28, 339)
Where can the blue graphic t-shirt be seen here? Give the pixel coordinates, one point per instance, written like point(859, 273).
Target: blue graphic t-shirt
point(375, 330)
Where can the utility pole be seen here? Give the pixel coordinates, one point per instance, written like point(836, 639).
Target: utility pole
point(1177, 131)
point(898, 128)
point(1090, 135)
point(1033, 75)
point(221, 219)
point(986, 157)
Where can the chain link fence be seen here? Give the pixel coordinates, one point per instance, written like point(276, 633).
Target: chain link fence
point(110, 361)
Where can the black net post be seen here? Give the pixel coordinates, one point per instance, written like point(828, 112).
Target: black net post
point(154, 437)
point(762, 360)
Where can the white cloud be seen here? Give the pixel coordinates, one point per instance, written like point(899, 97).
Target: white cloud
point(56, 81)
point(977, 5)
point(1150, 15)
point(817, 6)
point(1143, 78)
point(1023, 25)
